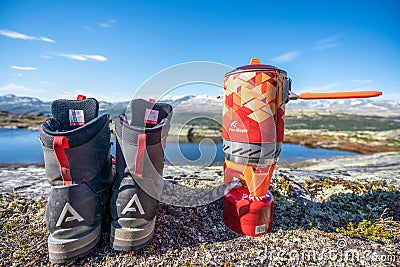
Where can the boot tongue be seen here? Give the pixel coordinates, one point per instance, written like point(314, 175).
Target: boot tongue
point(148, 114)
point(72, 114)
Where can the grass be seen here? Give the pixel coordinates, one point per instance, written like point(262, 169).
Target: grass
point(283, 187)
point(356, 209)
point(374, 231)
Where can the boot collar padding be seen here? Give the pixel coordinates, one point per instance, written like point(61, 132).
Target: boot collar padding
point(62, 108)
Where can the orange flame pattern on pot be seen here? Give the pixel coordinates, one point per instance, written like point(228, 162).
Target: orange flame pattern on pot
point(253, 113)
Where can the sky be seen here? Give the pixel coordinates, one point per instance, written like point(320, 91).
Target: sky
point(108, 49)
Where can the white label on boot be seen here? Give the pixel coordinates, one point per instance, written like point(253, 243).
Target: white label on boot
point(151, 116)
point(76, 117)
point(130, 208)
point(75, 215)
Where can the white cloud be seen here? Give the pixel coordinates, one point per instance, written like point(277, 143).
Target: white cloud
point(104, 25)
point(14, 88)
point(361, 81)
point(45, 39)
point(329, 42)
point(23, 36)
point(84, 57)
point(23, 68)
point(286, 57)
point(19, 74)
point(96, 57)
point(45, 56)
point(107, 24)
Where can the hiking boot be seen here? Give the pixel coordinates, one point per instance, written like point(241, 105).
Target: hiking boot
point(76, 148)
point(139, 166)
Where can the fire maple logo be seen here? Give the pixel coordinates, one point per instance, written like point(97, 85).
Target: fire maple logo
point(235, 129)
point(234, 124)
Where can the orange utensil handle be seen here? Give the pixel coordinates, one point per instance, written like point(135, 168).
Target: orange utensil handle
point(338, 95)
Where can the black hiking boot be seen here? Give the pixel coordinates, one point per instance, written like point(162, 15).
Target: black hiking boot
point(139, 167)
point(76, 148)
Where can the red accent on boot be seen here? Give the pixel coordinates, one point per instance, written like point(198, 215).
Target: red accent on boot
point(59, 144)
point(140, 156)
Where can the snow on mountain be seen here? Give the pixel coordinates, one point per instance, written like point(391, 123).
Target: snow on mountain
point(205, 103)
point(199, 103)
point(209, 104)
point(175, 101)
point(23, 104)
point(359, 106)
point(356, 102)
point(174, 97)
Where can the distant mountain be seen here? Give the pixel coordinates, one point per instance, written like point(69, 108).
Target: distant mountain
point(356, 106)
point(31, 105)
point(175, 101)
point(208, 104)
point(192, 103)
point(113, 108)
point(22, 104)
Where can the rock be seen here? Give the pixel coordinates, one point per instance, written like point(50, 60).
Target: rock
point(375, 167)
point(30, 181)
point(310, 205)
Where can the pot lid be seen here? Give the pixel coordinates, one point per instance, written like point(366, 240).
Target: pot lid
point(255, 65)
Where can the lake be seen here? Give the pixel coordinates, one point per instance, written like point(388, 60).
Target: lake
point(23, 146)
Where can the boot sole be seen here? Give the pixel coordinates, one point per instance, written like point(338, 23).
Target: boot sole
point(65, 250)
point(127, 239)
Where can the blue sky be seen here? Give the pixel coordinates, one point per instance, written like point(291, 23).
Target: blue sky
point(107, 49)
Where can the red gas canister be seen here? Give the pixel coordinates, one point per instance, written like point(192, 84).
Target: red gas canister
point(246, 214)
